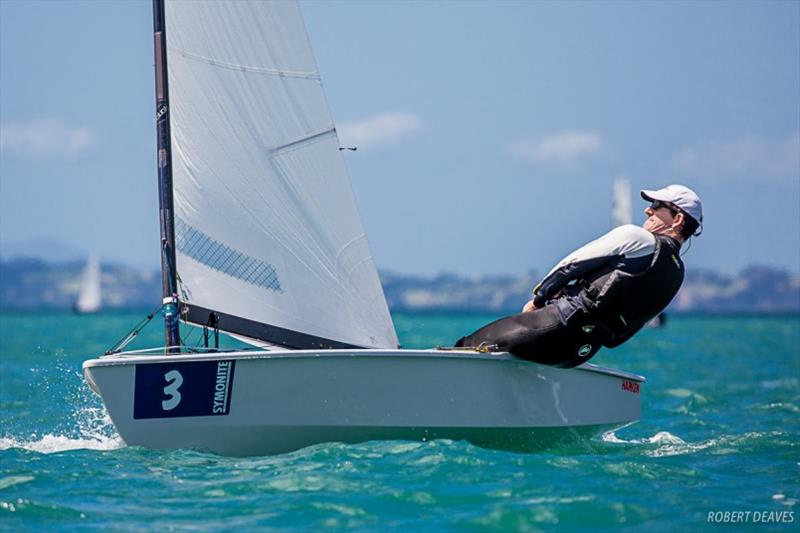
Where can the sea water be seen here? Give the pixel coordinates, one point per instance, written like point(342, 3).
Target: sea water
point(718, 445)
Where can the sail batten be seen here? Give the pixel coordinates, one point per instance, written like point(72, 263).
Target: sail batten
point(298, 142)
point(247, 68)
point(268, 228)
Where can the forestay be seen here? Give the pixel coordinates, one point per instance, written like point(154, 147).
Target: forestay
point(267, 229)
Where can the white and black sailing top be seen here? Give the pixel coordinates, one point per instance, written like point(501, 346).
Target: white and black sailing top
point(620, 281)
point(627, 248)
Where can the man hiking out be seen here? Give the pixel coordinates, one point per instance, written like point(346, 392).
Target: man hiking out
point(604, 292)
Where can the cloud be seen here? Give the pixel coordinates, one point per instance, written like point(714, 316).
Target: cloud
point(45, 138)
point(753, 157)
point(380, 130)
point(565, 148)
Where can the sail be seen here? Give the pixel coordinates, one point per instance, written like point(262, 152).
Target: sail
point(267, 231)
point(621, 212)
point(89, 297)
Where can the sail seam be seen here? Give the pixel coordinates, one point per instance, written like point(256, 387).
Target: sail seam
point(248, 68)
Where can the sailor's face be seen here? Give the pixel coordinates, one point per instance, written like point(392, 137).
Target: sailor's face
point(659, 219)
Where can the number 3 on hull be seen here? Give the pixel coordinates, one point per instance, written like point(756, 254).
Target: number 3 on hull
point(174, 380)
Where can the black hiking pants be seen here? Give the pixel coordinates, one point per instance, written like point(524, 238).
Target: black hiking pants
point(541, 336)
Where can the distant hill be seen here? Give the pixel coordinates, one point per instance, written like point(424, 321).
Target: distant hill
point(760, 289)
point(756, 289)
point(450, 291)
point(37, 284)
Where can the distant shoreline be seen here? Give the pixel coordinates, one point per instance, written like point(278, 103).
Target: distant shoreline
point(38, 285)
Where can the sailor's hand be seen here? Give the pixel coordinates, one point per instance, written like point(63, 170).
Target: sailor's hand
point(529, 307)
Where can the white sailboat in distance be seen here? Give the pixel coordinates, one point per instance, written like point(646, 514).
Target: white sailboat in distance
point(90, 295)
point(621, 210)
point(262, 240)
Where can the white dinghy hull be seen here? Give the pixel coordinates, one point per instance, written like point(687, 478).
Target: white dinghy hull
point(261, 403)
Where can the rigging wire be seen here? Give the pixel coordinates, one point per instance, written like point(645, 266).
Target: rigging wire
point(124, 341)
point(185, 342)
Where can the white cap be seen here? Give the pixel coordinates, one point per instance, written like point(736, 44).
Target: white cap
point(681, 197)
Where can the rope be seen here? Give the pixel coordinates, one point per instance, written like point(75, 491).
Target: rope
point(127, 339)
point(483, 348)
point(185, 341)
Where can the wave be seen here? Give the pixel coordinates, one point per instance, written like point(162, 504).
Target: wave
point(92, 430)
point(667, 444)
point(59, 443)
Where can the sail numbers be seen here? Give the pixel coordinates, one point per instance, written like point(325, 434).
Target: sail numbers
point(192, 388)
point(175, 380)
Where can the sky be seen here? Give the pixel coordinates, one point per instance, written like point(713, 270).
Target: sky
point(488, 133)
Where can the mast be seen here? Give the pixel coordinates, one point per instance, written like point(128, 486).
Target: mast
point(165, 200)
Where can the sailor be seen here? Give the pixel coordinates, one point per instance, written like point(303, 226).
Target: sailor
point(603, 293)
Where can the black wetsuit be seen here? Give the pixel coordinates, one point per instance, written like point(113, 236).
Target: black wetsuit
point(572, 323)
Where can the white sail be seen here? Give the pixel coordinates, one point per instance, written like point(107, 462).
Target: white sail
point(89, 298)
point(268, 235)
point(621, 211)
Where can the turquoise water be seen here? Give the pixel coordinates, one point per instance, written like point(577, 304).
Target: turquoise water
point(720, 431)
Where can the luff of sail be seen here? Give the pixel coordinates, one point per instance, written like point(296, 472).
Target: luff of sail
point(268, 234)
point(89, 297)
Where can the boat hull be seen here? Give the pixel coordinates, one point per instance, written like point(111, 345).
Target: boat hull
point(273, 402)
